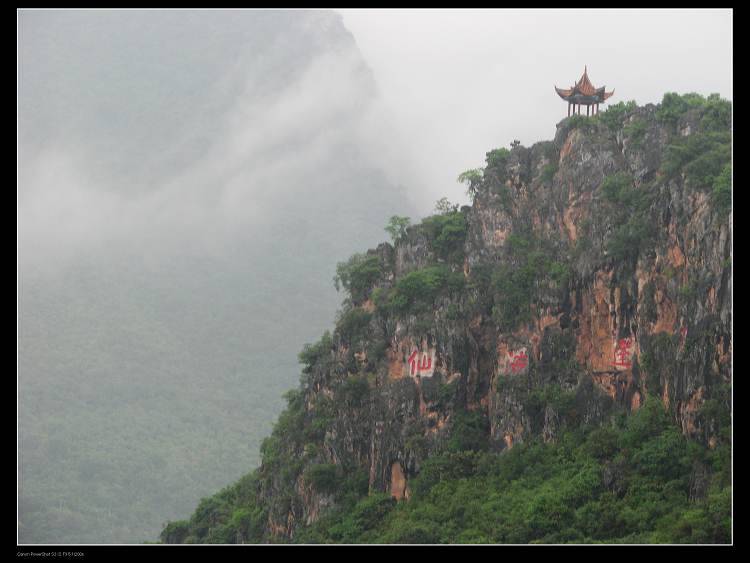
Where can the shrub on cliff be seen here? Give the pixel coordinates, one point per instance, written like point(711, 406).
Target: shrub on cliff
point(357, 275)
point(635, 131)
point(446, 234)
point(576, 121)
point(444, 206)
point(418, 289)
point(473, 180)
point(701, 156)
point(352, 326)
point(363, 517)
point(324, 477)
point(514, 283)
point(715, 112)
point(469, 433)
point(497, 158)
point(628, 209)
point(175, 532)
point(513, 292)
point(548, 173)
point(618, 189)
point(353, 391)
point(673, 106)
point(722, 189)
point(396, 227)
point(313, 354)
point(614, 115)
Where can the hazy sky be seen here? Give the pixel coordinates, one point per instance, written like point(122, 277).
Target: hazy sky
point(461, 82)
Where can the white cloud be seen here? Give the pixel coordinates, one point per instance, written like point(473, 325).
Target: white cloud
point(267, 148)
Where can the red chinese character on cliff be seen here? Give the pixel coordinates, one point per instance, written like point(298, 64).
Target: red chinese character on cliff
point(623, 353)
point(519, 362)
point(424, 364)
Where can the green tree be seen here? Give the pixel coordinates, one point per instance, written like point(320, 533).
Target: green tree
point(722, 189)
point(396, 227)
point(446, 233)
point(357, 275)
point(324, 477)
point(497, 158)
point(444, 206)
point(473, 179)
point(615, 114)
point(469, 432)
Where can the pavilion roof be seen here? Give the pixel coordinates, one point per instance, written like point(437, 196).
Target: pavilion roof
point(584, 87)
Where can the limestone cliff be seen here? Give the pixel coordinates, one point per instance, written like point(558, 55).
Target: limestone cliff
point(589, 272)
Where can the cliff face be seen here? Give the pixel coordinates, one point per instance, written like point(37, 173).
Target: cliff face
point(590, 272)
point(654, 318)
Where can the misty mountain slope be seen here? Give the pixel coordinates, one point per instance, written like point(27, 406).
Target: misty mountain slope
point(156, 85)
point(187, 184)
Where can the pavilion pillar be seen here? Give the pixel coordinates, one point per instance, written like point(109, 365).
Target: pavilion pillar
point(587, 109)
point(568, 109)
